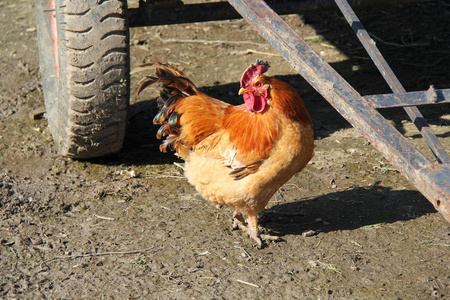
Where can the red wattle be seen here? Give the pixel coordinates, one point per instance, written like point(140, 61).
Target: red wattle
point(254, 102)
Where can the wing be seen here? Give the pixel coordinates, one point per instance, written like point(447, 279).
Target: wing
point(219, 146)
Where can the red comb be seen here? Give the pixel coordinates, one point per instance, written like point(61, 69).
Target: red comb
point(259, 68)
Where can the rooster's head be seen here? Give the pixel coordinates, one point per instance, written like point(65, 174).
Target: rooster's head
point(255, 92)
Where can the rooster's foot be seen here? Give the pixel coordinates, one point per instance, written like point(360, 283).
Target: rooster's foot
point(252, 228)
point(238, 221)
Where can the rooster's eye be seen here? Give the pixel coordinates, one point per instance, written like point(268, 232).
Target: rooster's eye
point(259, 84)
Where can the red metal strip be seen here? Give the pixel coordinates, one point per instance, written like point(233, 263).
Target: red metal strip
point(54, 29)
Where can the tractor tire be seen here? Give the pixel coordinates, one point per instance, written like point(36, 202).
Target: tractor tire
point(84, 64)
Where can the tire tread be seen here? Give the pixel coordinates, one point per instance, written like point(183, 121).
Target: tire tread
point(95, 71)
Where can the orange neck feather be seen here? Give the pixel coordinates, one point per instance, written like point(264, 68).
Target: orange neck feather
point(252, 132)
point(257, 132)
point(287, 101)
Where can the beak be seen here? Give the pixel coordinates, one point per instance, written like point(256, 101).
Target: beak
point(242, 91)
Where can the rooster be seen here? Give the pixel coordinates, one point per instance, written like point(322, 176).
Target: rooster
point(237, 156)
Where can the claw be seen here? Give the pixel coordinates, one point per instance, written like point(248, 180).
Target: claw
point(251, 227)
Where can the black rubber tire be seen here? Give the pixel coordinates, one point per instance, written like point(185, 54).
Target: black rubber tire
point(84, 60)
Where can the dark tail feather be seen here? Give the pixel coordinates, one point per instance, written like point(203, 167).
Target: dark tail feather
point(146, 82)
point(170, 143)
point(162, 131)
point(175, 85)
point(169, 76)
point(166, 110)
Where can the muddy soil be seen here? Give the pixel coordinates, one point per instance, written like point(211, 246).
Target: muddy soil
point(129, 226)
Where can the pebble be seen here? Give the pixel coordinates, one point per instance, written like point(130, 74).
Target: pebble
point(309, 233)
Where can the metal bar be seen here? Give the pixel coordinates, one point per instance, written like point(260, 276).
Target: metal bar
point(349, 103)
point(151, 13)
point(432, 96)
point(392, 80)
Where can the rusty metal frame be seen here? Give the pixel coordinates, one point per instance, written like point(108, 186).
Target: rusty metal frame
point(432, 179)
point(431, 96)
point(392, 80)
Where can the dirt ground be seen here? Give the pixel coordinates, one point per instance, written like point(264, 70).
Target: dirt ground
point(129, 226)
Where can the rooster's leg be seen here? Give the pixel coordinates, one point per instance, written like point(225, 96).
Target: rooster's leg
point(252, 229)
point(238, 221)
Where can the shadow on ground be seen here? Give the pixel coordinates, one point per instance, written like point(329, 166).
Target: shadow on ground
point(346, 210)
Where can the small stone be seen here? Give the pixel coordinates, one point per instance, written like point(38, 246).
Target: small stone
point(309, 233)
